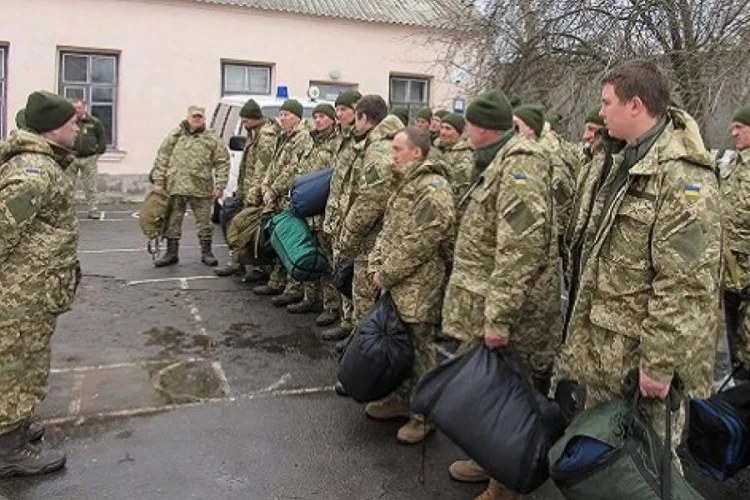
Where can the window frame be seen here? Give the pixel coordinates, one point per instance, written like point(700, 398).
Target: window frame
point(269, 67)
point(412, 106)
point(320, 83)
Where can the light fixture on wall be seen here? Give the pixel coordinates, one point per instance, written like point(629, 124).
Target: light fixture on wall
point(334, 74)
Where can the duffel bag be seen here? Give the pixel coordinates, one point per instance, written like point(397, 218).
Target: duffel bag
point(153, 215)
point(296, 246)
point(309, 193)
point(231, 206)
point(343, 277)
point(246, 237)
point(484, 402)
point(379, 357)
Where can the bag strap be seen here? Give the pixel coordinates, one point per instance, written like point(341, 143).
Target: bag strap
point(729, 378)
point(666, 454)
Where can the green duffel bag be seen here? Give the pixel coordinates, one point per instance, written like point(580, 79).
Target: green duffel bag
point(153, 215)
point(611, 452)
point(296, 246)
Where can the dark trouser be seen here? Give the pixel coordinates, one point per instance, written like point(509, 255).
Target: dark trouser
point(733, 320)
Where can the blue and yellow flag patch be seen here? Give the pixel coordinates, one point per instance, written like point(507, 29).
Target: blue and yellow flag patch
point(33, 170)
point(692, 191)
point(519, 179)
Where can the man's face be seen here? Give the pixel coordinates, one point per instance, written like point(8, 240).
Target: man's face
point(422, 123)
point(66, 135)
point(250, 123)
point(478, 136)
point(288, 120)
point(618, 115)
point(404, 153)
point(741, 135)
point(435, 124)
point(80, 109)
point(345, 115)
point(322, 122)
point(196, 122)
point(361, 123)
point(524, 129)
point(448, 134)
point(589, 133)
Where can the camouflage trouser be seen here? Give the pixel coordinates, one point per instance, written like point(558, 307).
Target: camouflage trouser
point(280, 279)
point(425, 358)
point(345, 305)
point(87, 167)
point(330, 296)
point(24, 366)
point(737, 322)
point(363, 291)
point(201, 209)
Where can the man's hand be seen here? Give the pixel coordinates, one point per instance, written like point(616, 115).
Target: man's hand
point(157, 189)
point(651, 388)
point(217, 193)
point(377, 280)
point(268, 198)
point(494, 340)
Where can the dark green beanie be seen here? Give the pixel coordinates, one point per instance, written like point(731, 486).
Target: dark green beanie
point(21, 119)
point(46, 111)
point(251, 111)
point(555, 121)
point(490, 110)
point(326, 109)
point(454, 120)
point(441, 113)
point(742, 115)
point(593, 117)
point(348, 98)
point(402, 114)
point(425, 114)
point(293, 106)
point(533, 116)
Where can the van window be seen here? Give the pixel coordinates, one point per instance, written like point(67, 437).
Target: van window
point(233, 120)
point(220, 118)
point(273, 111)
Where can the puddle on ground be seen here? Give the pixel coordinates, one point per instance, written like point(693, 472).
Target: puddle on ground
point(173, 341)
point(192, 380)
point(300, 341)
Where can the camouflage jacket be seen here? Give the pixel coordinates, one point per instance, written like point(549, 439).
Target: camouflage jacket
point(646, 260)
point(418, 218)
point(735, 203)
point(342, 169)
point(506, 250)
point(280, 172)
point(370, 186)
point(92, 140)
point(38, 250)
point(459, 158)
point(565, 168)
point(191, 164)
point(258, 153)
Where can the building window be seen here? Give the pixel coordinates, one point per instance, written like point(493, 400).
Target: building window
point(3, 108)
point(329, 91)
point(92, 78)
point(245, 79)
point(408, 92)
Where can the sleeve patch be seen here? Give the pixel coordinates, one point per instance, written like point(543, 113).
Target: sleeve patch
point(372, 175)
point(425, 213)
point(520, 217)
point(519, 179)
point(33, 170)
point(692, 191)
point(24, 205)
point(688, 242)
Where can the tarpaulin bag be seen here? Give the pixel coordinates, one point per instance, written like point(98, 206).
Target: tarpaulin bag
point(296, 246)
point(343, 277)
point(309, 193)
point(380, 356)
point(246, 237)
point(611, 452)
point(231, 206)
point(154, 214)
point(718, 435)
point(484, 402)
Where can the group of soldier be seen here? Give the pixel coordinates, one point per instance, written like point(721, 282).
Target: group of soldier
point(472, 223)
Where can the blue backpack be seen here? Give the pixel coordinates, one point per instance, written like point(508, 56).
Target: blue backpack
point(309, 193)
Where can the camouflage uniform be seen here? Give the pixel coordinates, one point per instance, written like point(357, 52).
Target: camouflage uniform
point(39, 266)
point(364, 199)
point(646, 259)
point(418, 217)
point(735, 187)
point(505, 275)
point(459, 157)
point(189, 166)
point(91, 142)
point(565, 168)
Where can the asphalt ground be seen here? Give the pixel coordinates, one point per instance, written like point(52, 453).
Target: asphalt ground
point(172, 384)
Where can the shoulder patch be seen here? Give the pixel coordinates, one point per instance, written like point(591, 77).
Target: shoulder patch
point(33, 170)
point(519, 179)
point(372, 175)
point(425, 213)
point(692, 191)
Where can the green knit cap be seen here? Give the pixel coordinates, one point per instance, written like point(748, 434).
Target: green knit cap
point(555, 120)
point(326, 109)
point(532, 115)
point(441, 113)
point(21, 118)
point(348, 98)
point(402, 114)
point(454, 120)
point(425, 114)
point(293, 106)
point(46, 111)
point(251, 111)
point(593, 117)
point(742, 115)
point(490, 110)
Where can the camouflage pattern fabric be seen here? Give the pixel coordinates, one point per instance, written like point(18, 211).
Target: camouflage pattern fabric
point(201, 208)
point(565, 168)
point(646, 290)
point(459, 157)
point(152, 214)
point(86, 166)
point(505, 274)
point(39, 265)
point(258, 154)
point(341, 180)
point(191, 164)
point(425, 359)
point(735, 205)
point(241, 230)
point(280, 173)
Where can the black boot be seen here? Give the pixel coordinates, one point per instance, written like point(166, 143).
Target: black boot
point(335, 333)
point(172, 254)
point(207, 256)
point(20, 457)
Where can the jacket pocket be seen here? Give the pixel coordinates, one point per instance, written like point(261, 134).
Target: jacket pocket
point(628, 242)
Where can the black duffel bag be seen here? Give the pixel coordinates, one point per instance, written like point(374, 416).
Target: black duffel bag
point(231, 206)
point(380, 356)
point(343, 277)
point(484, 402)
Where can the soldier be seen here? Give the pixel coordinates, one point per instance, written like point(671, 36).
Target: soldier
point(591, 128)
point(406, 262)
point(423, 119)
point(456, 152)
point(646, 253)
point(92, 142)
point(39, 266)
point(293, 141)
point(435, 124)
point(504, 287)
point(402, 114)
point(259, 148)
point(735, 187)
point(342, 177)
point(191, 167)
point(21, 119)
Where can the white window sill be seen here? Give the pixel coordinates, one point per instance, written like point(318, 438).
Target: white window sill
point(113, 156)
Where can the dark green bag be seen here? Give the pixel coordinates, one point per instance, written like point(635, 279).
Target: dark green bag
point(611, 452)
point(296, 246)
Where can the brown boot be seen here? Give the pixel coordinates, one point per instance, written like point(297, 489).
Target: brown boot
point(20, 457)
point(386, 410)
point(414, 431)
point(496, 491)
point(467, 471)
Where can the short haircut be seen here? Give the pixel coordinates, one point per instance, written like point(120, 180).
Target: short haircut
point(373, 106)
point(644, 79)
point(419, 138)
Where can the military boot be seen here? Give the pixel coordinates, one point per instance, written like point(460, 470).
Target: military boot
point(414, 431)
point(342, 345)
point(467, 471)
point(335, 333)
point(34, 432)
point(496, 491)
point(171, 256)
point(286, 299)
point(306, 306)
point(387, 409)
point(21, 457)
point(254, 275)
point(207, 256)
point(327, 318)
point(232, 267)
point(267, 290)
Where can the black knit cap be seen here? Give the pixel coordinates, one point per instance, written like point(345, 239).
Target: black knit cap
point(46, 111)
point(251, 111)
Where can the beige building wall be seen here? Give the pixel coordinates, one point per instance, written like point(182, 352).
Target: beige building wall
point(170, 54)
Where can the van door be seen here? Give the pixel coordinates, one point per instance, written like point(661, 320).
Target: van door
point(233, 126)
